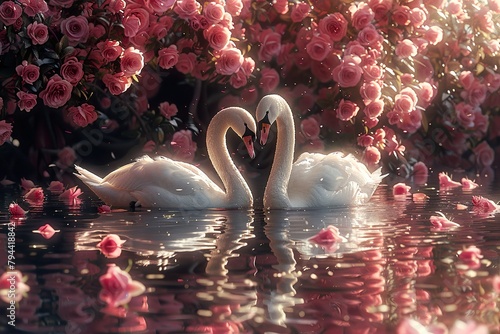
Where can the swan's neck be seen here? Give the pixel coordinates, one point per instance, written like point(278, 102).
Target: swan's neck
point(276, 192)
point(238, 193)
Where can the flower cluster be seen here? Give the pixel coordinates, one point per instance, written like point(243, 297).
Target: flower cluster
point(400, 81)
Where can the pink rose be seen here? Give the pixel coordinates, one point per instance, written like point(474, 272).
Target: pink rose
point(434, 35)
point(47, 231)
point(374, 109)
point(270, 44)
point(187, 9)
point(161, 6)
point(104, 208)
point(319, 47)
point(168, 57)
point(426, 94)
point(468, 184)
point(57, 92)
point(365, 140)
point(118, 288)
point(10, 12)
point(186, 63)
point(27, 184)
point(417, 17)
point(34, 195)
point(380, 8)
point(132, 61)
point(76, 29)
point(234, 7)
point(420, 173)
point(441, 222)
point(406, 49)
point(117, 83)
point(19, 289)
point(327, 237)
point(38, 33)
point(238, 79)
point(401, 189)
point(310, 128)
point(110, 50)
point(369, 36)
point(348, 73)
point(347, 110)
point(334, 25)
point(16, 211)
point(229, 61)
point(300, 11)
point(183, 146)
point(82, 115)
point(471, 256)
point(72, 70)
point(401, 15)
point(217, 36)
point(362, 16)
point(446, 182)
point(476, 94)
point(213, 12)
point(168, 110)
point(131, 25)
point(66, 157)
point(465, 115)
point(403, 103)
point(115, 6)
point(370, 91)
point(269, 79)
point(281, 6)
point(33, 7)
point(111, 246)
point(28, 72)
point(56, 187)
point(27, 101)
point(484, 154)
point(372, 72)
point(371, 155)
point(484, 205)
point(71, 195)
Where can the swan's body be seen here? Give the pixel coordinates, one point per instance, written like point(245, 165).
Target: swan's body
point(314, 180)
point(165, 183)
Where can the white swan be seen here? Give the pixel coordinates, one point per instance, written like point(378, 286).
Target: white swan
point(168, 184)
point(314, 180)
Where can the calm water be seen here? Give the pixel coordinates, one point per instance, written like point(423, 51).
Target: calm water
point(257, 272)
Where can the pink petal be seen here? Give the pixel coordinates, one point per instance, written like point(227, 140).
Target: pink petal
point(446, 182)
point(442, 222)
point(16, 211)
point(56, 186)
point(104, 209)
point(420, 197)
point(27, 184)
point(468, 184)
point(401, 189)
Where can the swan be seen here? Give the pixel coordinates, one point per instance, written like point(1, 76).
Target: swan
point(168, 184)
point(315, 180)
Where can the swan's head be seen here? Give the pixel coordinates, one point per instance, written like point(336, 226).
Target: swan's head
point(242, 122)
point(266, 114)
point(248, 138)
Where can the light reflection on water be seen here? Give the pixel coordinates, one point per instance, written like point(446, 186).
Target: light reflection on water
point(233, 271)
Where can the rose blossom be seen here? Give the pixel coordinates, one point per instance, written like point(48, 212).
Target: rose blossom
point(362, 16)
point(441, 222)
point(187, 9)
point(72, 70)
point(19, 289)
point(300, 11)
point(348, 73)
point(38, 33)
point(310, 128)
point(118, 287)
point(319, 47)
point(471, 256)
point(229, 61)
point(16, 211)
point(57, 92)
point(371, 155)
point(34, 194)
point(365, 140)
point(168, 57)
point(327, 237)
point(111, 246)
point(465, 115)
point(417, 17)
point(33, 7)
point(213, 12)
point(116, 83)
point(28, 72)
point(110, 50)
point(82, 115)
point(401, 189)
point(401, 15)
point(104, 208)
point(484, 154)
point(347, 110)
point(370, 91)
point(47, 231)
point(66, 157)
point(406, 48)
point(238, 79)
point(420, 172)
point(419, 197)
point(269, 79)
point(484, 205)
point(27, 101)
point(56, 187)
point(183, 146)
point(168, 110)
point(76, 28)
point(186, 62)
point(161, 6)
point(217, 36)
point(334, 25)
point(374, 109)
point(468, 184)
point(71, 195)
point(434, 35)
point(369, 36)
point(27, 184)
point(270, 44)
point(446, 182)
point(132, 61)
point(234, 7)
point(10, 12)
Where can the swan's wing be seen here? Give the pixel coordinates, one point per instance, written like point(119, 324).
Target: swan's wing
point(332, 179)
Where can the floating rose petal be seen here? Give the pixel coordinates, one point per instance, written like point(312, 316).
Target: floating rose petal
point(420, 197)
point(468, 184)
point(13, 278)
point(400, 191)
point(461, 207)
point(34, 195)
point(71, 195)
point(6, 182)
point(328, 237)
point(46, 231)
point(471, 256)
point(104, 209)
point(483, 205)
point(111, 245)
point(27, 184)
point(441, 222)
point(446, 182)
point(118, 287)
point(56, 187)
point(16, 211)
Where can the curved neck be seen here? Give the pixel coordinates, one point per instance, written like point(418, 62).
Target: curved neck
point(238, 193)
point(276, 192)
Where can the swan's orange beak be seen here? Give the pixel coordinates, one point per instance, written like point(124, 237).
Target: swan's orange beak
point(248, 140)
point(264, 133)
